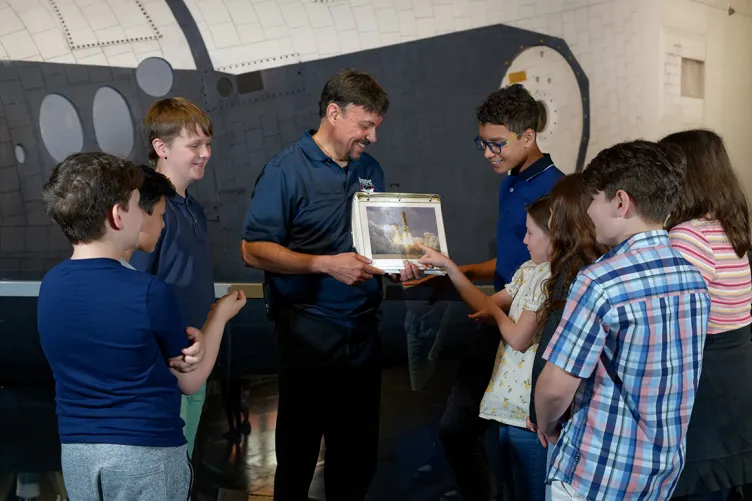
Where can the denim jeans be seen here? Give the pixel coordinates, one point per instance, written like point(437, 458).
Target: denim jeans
point(523, 463)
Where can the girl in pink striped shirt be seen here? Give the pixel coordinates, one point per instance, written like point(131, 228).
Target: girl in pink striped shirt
point(710, 228)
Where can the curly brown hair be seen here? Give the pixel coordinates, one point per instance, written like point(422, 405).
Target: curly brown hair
point(711, 187)
point(650, 173)
point(82, 190)
point(573, 244)
point(513, 107)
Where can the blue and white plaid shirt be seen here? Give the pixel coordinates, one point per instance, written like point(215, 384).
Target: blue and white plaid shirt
point(634, 330)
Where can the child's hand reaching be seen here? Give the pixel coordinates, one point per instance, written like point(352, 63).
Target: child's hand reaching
point(488, 313)
point(433, 258)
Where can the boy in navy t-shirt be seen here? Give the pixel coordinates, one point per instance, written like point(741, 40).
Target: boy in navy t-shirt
point(113, 338)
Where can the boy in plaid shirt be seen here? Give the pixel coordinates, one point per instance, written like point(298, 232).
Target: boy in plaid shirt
point(629, 347)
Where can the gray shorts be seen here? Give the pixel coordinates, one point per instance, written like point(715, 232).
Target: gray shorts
point(110, 472)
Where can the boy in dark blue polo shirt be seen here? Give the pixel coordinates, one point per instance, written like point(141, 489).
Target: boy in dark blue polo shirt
point(113, 338)
point(153, 195)
point(180, 135)
point(508, 123)
point(325, 296)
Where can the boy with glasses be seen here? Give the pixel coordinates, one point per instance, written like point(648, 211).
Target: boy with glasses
point(507, 136)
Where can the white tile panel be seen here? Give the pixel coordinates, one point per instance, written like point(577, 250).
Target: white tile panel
point(36, 20)
point(343, 17)
point(250, 33)
point(269, 14)
point(294, 15)
point(51, 43)
point(224, 35)
point(9, 22)
point(387, 20)
point(319, 14)
point(370, 40)
point(349, 41)
point(365, 18)
point(19, 45)
point(327, 41)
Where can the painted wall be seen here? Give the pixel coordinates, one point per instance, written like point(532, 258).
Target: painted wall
point(258, 66)
point(704, 31)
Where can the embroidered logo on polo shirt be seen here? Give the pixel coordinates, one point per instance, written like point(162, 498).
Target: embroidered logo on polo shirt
point(366, 185)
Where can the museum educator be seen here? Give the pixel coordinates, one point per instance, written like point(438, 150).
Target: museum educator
point(323, 296)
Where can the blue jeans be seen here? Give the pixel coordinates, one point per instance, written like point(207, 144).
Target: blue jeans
point(522, 463)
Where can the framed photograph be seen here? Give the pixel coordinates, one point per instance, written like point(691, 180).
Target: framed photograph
point(387, 226)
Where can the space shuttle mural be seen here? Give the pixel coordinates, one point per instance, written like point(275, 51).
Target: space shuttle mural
point(78, 75)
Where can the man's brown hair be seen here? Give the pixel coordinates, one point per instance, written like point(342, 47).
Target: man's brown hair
point(167, 118)
point(355, 87)
point(82, 190)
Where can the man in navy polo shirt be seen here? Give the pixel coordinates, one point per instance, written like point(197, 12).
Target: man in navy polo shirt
point(507, 136)
point(324, 296)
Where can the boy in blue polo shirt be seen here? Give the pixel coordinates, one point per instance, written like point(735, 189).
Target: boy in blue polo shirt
point(508, 123)
point(153, 195)
point(180, 135)
point(113, 338)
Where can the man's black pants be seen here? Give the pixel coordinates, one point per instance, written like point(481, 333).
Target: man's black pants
point(461, 430)
point(330, 386)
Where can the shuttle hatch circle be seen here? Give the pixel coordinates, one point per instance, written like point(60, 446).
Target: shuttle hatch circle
point(154, 76)
point(60, 126)
point(20, 152)
point(113, 125)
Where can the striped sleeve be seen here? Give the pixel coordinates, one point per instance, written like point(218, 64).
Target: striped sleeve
point(695, 247)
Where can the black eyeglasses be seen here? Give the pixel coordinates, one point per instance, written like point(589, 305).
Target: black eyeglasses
point(494, 147)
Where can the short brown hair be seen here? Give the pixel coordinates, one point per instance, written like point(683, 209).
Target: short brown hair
point(356, 87)
point(155, 187)
point(513, 107)
point(650, 173)
point(83, 188)
point(169, 117)
point(711, 187)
